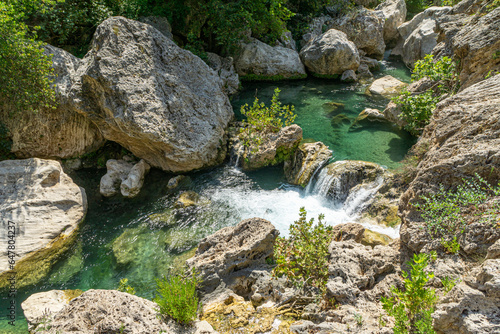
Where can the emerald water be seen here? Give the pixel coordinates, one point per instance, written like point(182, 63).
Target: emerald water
point(142, 238)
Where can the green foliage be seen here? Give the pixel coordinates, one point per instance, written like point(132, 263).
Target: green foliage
point(446, 212)
point(452, 246)
point(494, 4)
point(176, 297)
point(448, 283)
point(412, 307)
point(24, 68)
point(303, 256)
point(5, 143)
point(417, 109)
point(261, 118)
point(125, 287)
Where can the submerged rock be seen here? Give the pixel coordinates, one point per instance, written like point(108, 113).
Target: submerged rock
point(176, 181)
point(386, 86)
point(260, 61)
point(159, 101)
point(330, 54)
point(368, 115)
point(41, 208)
point(306, 160)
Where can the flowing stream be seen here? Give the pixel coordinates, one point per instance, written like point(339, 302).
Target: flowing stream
point(144, 237)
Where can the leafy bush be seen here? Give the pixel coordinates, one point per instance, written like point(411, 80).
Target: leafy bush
point(416, 110)
point(452, 246)
point(416, 6)
point(125, 287)
point(446, 212)
point(303, 257)
point(176, 297)
point(412, 307)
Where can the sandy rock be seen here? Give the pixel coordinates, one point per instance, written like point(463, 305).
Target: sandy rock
point(229, 254)
point(330, 54)
point(306, 160)
point(349, 231)
point(53, 133)
point(160, 23)
point(117, 172)
point(45, 206)
point(386, 86)
point(159, 101)
point(393, 14)
point(369, 114)
point(266, 62)
point(187, 199)
point(225, 68)
point(131, 186)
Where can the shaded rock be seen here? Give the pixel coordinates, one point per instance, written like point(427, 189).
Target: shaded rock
point(53, 133)
point(365, 28)
point(287, 41)
point(494, 251)
point(45, 208)
point(330, 54)
point(386, 86)
point(315, 29)
point(117, 172)
point(232, 252)
point(225, 68)
point(369, 114)
point(160, 102)
point(131, 186)
point(393, 14)
point(364, 72)
point(176, 181)
point(349, 231)
point(306, 160)
point(372, 64)
point(160, 23)
point(349, 76)
point(257, 60)
point(462, 139)
point(275, 148)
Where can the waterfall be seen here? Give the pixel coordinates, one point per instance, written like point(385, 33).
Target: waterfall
point(309, 187)
point(359, 197)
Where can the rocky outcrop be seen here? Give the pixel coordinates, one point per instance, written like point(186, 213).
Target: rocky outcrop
point(314, 29)
point(432, 13)
point(274, 147)
point(124, 177)
point(330, 54)
point(41, 208)
point(225, 68)
point(386, 86)
point(462, 139)
point(305, 162)
point(365, 28)
point(229, 255)
point(257, 60)
point(160, 23)
point(160, 102)
point(53, 133)
point(393, 14)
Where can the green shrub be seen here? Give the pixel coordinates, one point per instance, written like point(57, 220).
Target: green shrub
point(416, 110)
point(447, 212)
point(412, 307)
point(176, 297)
point(452, 246)
point(303, 256)
point(448, 283)
point(125, 287)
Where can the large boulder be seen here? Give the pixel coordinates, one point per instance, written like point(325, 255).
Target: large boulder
point(387, 86)
point(406, 29)
point(462, 139)
point(330, 54)
point(41, 208)
point(365, 28)
point(159, 101)
point(260, 61)
point(393, 14)
point(421, 42)
point(229, 255)
point(53, 133)
point(308, 158)
point(225, 68)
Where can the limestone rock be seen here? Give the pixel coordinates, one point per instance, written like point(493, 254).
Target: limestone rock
point(393, 14)
point(262, 61)
point(421, 42)
point(117, 172)
point(232, 251)
point(430, 13)
point(349, 231)
point(369, 114)
point(386, 86)
point(225, 68)
point(287, 41)
point(330, 54)
point(131, 186)
point(306, 160)
point(314, 29)
point(160, 102)
point(160, 23)
point(349, 76)
point(45, 207)
point(494, 251)
point(53, 133)
point(462, 139)
point(275, 148)
point(365, 28)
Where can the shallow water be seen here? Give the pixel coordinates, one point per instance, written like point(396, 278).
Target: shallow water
point(141, 238)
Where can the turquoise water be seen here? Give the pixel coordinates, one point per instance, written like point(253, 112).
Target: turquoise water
point(142, 238)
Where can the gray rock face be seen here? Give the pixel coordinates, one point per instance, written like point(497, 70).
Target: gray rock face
point(421, 42)
point(160, 23)
point(430, 13)
point(365, 28)
point(393, 14)
point(53, 133)
point(268, 62)
point(462, 139)
point(330, 54)
point(314, 29)
point(228, 255)
point(306, 160)
point(45, 208)
point(225, 68)
point(287, 41)
point(157, 100)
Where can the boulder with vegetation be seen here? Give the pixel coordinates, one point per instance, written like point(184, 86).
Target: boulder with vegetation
point(257, 60)
point(330, 54)
point(160, 102)
point(41, 208)
point(308, 158)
